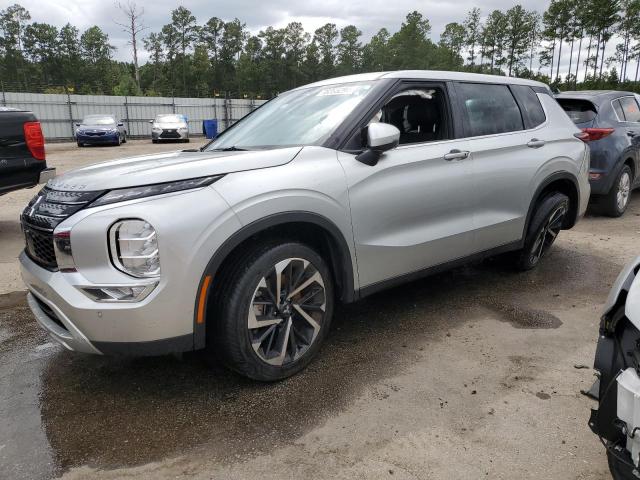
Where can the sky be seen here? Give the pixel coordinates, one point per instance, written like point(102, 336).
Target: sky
point(368, 15)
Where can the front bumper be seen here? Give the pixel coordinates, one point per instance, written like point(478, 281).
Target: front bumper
point(97, 139)
point(161, 322)
point(618, 412)
point(169, 134)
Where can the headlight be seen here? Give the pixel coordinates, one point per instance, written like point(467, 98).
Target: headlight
point(156, 129)
point(124, 194)
point(133, 245)
point(183, 129)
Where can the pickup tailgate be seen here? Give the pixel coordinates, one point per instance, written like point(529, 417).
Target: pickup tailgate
point(18, 167)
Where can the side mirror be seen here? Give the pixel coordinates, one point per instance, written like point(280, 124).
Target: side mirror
point(77, 124)
point(121, 124)
point(150, 121)
point(380, 138)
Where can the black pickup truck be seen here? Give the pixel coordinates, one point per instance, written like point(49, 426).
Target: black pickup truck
point(22, 157)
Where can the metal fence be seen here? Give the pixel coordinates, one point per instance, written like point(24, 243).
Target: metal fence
point(58, 113)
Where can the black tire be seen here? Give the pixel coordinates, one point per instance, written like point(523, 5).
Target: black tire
point(124, 137)
point(153, 140)
point(619, 469)
point(610, 204)
point(80, 144)
point(230, 338)
point(551, 209)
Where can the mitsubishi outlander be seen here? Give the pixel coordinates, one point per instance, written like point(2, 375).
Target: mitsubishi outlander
point(329, 192)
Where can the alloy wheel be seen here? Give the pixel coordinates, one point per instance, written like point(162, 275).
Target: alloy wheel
point(287, 311)
point(624, 188)
point(548, 234)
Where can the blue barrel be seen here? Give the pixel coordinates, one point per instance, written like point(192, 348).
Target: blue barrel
point(210, 128)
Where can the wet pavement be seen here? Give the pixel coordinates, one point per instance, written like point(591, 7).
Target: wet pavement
point(468, 374)
point(61, 410)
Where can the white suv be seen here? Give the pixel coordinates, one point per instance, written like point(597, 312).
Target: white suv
point(327, 193)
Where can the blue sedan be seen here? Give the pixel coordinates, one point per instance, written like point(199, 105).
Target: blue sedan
point(100, 130)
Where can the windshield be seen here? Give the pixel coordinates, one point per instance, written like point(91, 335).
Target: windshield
point(98, 120)
point(169, 119)
point(301, 117)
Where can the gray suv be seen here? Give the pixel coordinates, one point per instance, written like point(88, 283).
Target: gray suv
point(329, 192)
point(610, 121)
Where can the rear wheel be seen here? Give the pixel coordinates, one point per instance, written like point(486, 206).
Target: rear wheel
point(545, 226)
point(615, 203)
point(80, 144)
point(124, 137)
point(273, 311)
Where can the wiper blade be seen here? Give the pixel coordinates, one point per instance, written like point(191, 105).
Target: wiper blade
point(230, 149)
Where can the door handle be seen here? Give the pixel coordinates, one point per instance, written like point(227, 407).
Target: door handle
point(456, 155)
point(535, 143)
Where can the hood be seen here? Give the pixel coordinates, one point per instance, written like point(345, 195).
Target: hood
point(167, 167)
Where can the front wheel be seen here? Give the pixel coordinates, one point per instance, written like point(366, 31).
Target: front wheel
point(273, 311)
point(545, 226)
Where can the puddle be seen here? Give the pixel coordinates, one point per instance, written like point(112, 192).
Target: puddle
point(523, 317)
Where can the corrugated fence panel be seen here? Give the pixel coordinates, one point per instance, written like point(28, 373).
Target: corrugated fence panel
point(58, 113)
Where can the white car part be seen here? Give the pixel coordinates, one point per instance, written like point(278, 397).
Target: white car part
point(628, 409)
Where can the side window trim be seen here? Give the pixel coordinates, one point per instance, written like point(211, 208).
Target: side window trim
point(523, 117)
point(615, 111)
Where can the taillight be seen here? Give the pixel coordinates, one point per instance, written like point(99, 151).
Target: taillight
point(34, 139)
point(593, 134)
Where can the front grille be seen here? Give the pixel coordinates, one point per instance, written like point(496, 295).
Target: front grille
point(43, 214)
point(169, 134)
point(39, 246)
point(95, 134)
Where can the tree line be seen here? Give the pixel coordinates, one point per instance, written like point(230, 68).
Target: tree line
point(567, 46)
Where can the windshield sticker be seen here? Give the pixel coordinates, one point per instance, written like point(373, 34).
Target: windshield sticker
point(343, 90)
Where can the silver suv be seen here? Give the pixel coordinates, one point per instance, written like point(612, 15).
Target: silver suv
point(329, 192)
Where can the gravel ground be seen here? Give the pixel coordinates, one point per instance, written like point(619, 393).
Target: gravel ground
point(465, 375)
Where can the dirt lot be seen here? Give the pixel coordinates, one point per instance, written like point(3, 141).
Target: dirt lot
point(470, 374)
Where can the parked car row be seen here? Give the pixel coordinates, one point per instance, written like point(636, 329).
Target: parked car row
point(106, 130)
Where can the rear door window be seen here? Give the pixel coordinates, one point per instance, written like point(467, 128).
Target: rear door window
point(490, 109)
point(580, 111)
point(530, 105)
point(630, 109)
